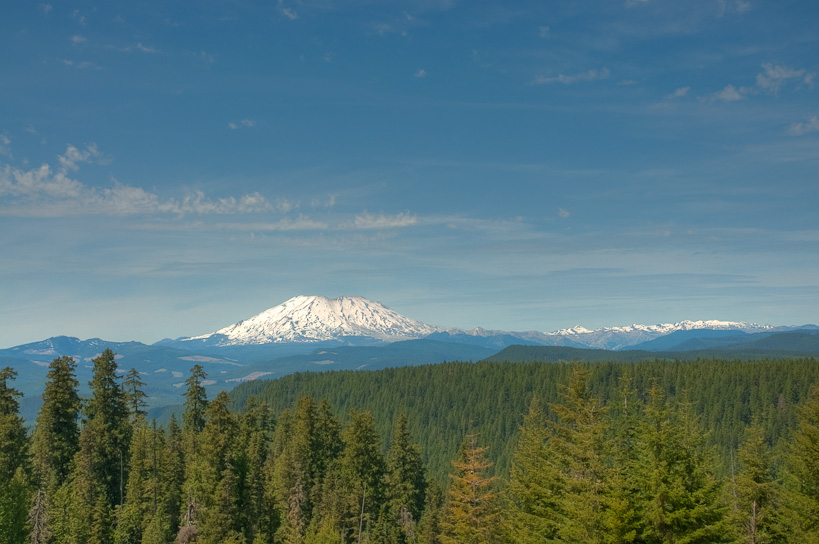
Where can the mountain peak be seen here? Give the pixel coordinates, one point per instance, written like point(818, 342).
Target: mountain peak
point(320, 319)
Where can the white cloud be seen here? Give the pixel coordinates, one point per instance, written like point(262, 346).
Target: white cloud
point(728, 94)
point(591, 75)
point(544, 31)
point(82, 65)
point(242, 123)
point(46, 8)
point(369, 221)
point(811, 125)
point(329, 202)
point(420, 73)
point(773, 77)
point(563, 213)
point(289, 13)
point(43, 191)
point(679, 93)
point(77, 39)
point(4, 145)
point(146, 49)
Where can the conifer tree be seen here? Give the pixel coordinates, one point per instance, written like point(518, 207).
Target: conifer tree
point(254, 429)
point(217, 474)
point(196, 400)
point(107, 426)
point(756, 509)
point(134, 396)
point(14, 466)
point(56, 432)
point(682, 494)
point(143, 500)
point(533, 488)
point(802, 465)
point(405, 482)
point(362, 470)
point(430, 528)
point(471, 510)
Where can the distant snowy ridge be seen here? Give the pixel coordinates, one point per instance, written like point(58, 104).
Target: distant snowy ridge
point(667, 328)
point(630, 335)
point(320, 319)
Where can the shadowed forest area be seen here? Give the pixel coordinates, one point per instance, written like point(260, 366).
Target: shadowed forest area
point(654, 452)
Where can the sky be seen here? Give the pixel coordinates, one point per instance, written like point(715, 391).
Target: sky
point(170, 168)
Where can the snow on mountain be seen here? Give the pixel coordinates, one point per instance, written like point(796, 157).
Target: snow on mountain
point(310, 319)
point(630, 335)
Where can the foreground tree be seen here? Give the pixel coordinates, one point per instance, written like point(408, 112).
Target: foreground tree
point(471, 513)
point(14, 467)
point(755, 513)
point(681, 493)
point(802, 479)
point(57, 432)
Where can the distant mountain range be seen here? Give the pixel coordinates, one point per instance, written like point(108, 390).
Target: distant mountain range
point(316, 333)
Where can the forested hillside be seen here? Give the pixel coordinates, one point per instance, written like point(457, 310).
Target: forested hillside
point(445, 401)
point(655, 452)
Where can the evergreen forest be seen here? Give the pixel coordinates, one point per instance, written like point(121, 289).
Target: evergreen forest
point(704, 451)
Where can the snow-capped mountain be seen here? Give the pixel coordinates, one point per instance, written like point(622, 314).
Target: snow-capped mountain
point(311, 319)
point(304, 320)
point(630, 335)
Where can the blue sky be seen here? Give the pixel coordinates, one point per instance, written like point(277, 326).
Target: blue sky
point(169, 168)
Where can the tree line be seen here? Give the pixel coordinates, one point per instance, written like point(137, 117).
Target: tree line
point(634, 466)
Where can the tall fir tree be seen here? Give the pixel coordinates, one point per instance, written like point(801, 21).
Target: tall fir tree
point(108, 426)
point(362, 471)
point(681, 492)
point(196, 400)
point(56, 431)
point(405, 481)
point(802, 473)
point(14, 464)
point(135, 396)
point(755, 512)
point(471, 514)
point(534, 489)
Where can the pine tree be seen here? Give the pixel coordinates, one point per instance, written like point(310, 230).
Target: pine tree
point(362, 469)
point(471, 512)
point(196, 400)
point(134, 396)
point(56, 432)
point(14, 466)
point(682, 493)
point(533, 489)
point(405, 482)
point(217, 473)
point(108, 427)
point(802, 465)
point(756, 492)
point(429, 531)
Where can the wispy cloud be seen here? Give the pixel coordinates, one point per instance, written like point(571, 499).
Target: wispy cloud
point(4, 145)
point(728, 94)
point(420, 73)
point(369, 221)
point(243, 123)
point(679, 93)
point(811, 125)
point(289, 13)
point(773, 77)
point(44, 191)
point(76, 39)
point(81, 65)
point(45, 9)
point(591, 75)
